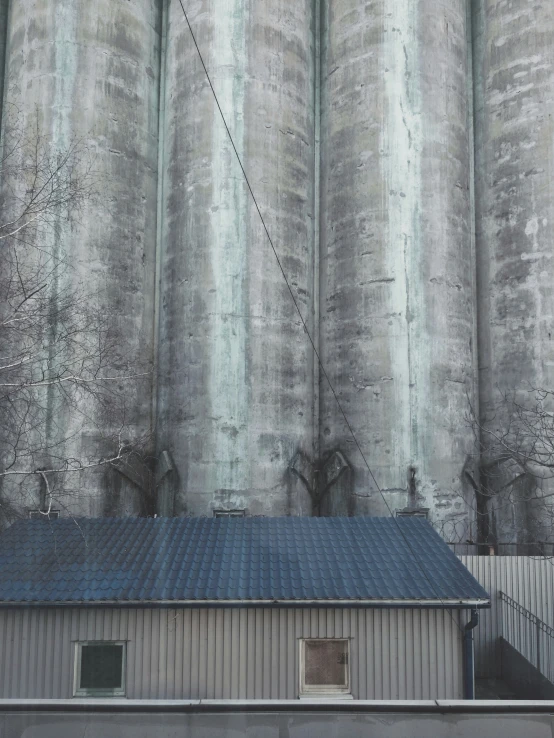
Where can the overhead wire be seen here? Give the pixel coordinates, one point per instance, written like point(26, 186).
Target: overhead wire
point(304, 324)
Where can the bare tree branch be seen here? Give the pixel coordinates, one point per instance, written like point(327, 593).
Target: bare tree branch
point(63, 367)
point(514, 444)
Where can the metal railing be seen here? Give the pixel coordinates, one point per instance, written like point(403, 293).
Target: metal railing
point(529, 635)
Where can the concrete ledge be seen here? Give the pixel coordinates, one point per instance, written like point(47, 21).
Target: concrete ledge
point(273, 706)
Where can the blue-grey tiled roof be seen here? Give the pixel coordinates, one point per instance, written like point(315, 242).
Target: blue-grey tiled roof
point(223, 559)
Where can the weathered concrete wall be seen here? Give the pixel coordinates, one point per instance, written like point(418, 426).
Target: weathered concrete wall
point(235, 400)
point(397, 276)
point(379, 248)
point(514, 126)
point(89, 72)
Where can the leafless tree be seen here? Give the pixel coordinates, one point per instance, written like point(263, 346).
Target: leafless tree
point(514, 469)
point(62, 367)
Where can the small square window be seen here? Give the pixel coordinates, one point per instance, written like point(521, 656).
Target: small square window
point(413, 512)
point(324, 667)
point(100, 669)
point(40, 515)
point(229, 513)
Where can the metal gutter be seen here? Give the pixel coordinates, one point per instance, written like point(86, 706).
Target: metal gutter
point(375, 604)
point(469, 657)
point(522, 707)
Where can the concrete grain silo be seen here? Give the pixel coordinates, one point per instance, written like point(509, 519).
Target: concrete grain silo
point(236, 378)
point(514, 125)
point(401, 155)
point(396, 269)
point(87, 74)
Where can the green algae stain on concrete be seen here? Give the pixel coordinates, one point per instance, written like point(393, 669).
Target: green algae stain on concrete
point(59, 129)
point(66, 65)
point(229, 234)
point(401, 142)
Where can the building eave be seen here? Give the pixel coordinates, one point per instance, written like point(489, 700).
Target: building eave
point(445, 604)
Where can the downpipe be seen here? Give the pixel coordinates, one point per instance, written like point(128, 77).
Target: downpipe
point(469, 661)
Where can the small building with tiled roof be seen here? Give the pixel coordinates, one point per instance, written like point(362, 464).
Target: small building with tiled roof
point(234, 608)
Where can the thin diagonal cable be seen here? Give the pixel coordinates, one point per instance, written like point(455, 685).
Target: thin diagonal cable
point(349, 426)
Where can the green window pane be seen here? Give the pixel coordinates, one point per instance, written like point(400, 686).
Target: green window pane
point(101, 666)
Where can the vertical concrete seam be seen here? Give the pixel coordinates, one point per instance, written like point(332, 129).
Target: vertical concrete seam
point(318, 26)
point(484, 347)
point(408, 246)
point(472, 216)
point(413, 457)
point(162, 69)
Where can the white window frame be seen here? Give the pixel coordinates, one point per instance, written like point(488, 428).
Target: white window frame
point(91, 692)
point(322, 690)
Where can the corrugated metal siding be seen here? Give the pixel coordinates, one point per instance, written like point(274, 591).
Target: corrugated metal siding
point(233, 653)
point(528, 580)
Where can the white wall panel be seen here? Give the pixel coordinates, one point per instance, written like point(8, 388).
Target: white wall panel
point(232, 653)
point(526, 579)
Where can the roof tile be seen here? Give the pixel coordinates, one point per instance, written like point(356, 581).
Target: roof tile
point(184, 559)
